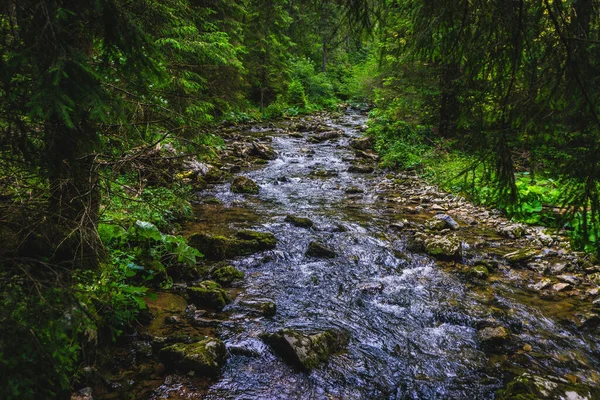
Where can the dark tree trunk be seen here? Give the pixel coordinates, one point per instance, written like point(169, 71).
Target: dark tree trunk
point(449, 105)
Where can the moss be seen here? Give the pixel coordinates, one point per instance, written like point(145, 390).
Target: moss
point(226, 275)
point(241, 184)
point(299, 221)
point(209, 294)
point(478, 272)
point(263, 240)
point(205, 357)
point(216, 247)
point(520, 256)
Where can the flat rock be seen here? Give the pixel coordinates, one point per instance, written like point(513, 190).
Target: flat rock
point(361, 168)
point(543, 284)
point(521, 255)
point(560, 287)
point(301, 222)
point(570, 279)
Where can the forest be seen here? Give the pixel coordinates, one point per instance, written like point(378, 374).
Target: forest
point(163, 161)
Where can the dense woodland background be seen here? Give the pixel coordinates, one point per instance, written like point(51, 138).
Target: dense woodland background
point(498, 100)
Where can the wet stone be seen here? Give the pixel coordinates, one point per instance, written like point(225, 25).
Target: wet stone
point(263, 307)
point(361, 168)
point(319, 250)
point(226, 275)
point(371, 287)
point(521, 255)
point(306, 351)
point(364, 143)
point(543, 284)
point(570, 279)
point(242, 184)
point(443, 247)
point(300, 222)
point(354, 190)
point(561, 287)
point(205, 357)
point(208, 294)
point(448, 221)
point(493, 338)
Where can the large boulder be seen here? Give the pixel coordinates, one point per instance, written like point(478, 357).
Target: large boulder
point(205, 357)
point(242, 184)
point(243, 243)
point(208, 294)
point(306, 351)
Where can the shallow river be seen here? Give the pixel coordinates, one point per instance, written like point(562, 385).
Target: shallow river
point(417, 338)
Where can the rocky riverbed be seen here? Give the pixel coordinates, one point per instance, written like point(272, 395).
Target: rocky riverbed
point(328, 278)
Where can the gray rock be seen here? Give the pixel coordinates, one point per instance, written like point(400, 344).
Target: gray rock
point(560, 287)
point(570, 279)
point(306, 351)
point(371, 287)
point(513, 231)
point(543, 284)
point(361, 168)
point(263, 151)
point(448, 221)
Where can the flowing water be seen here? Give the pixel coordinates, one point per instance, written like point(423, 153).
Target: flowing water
point(416, 338)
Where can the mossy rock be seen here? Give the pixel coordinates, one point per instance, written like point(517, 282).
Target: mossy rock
point(217, 247)
point(208, 294)
point(301, 222)
point(520, 256)
point(319, 250)
point(493, 338)
point(443, 247)
point(205, 357)
point(478, 272)
point(533, 387)
point(215, 175)
point(306, 351)
point(226, 275)
point(263, 307)
point(242, 184)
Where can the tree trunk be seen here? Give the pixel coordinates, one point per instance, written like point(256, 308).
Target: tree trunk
point(74, 199)
point(449, 106)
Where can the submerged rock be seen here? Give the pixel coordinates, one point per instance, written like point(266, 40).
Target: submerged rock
point(319, 250)
point(217, 247)
point(301, 222)
point(242, 184)
point(205, 357)
point(208, 294)
point(306, 351)
point(227, 274)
